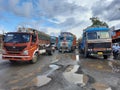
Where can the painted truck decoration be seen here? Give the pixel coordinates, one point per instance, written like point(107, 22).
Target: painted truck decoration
point(66, 42)
point(25, 45)
point(96, 41)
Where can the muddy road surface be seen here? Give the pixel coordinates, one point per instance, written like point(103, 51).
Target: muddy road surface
point(61, 71)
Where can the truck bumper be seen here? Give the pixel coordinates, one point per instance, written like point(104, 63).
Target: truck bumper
point(64, 49)
point(100, 53)
point(16, 58)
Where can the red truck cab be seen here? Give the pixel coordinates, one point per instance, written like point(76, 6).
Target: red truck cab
point(21, 46)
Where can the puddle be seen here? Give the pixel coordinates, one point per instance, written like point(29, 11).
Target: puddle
point(42, 80)
point(54, 67)
point(54, 61)
point(77, 57)
point(73, 57)
point(73, 77)
point(115, 65)
point(97, 65)
point(101, 86)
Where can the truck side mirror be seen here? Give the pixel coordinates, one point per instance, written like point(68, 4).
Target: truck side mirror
point(3, 37)
point(84, 34)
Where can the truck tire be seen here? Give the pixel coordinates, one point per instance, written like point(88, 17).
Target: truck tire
point(105, 56)
point(59, 51)
point(35, 59)
point(50, 52)
point(85, 54)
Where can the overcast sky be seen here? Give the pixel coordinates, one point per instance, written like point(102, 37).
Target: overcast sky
point(54, 16)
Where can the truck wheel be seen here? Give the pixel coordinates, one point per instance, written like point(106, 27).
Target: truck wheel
point(85, 54)
point(35, 58)
point(50, 52)
point(59, 51)
point(105, 56)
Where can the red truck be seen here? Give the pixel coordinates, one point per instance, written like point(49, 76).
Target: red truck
point(25, 45)
point(116, 36)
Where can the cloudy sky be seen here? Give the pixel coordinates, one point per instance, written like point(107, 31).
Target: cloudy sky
point(54, 16)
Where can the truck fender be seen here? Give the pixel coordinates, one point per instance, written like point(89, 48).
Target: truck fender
point(36, 51)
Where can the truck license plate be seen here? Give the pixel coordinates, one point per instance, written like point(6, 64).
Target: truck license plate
point(100, 53)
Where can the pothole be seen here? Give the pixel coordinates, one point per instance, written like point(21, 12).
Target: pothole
point(101, 86)
point(115, 65)
point(42, 80)
point(73, 77)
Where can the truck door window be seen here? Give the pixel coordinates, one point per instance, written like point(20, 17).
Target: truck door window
point(92, 35)
point(34, 38)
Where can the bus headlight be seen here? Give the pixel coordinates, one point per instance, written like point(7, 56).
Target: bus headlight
point(25, 52)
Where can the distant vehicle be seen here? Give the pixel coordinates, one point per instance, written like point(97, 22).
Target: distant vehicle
point(116, 40)
point(54, 41)
point(96, 41)
point(116, 36)
point(25, 45)
point(66, 42)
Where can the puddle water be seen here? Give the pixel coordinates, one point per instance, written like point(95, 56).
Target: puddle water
point(101, 86)
point(54, 67)
point(73, 77)
point(42, 80)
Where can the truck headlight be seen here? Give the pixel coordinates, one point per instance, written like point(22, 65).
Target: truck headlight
point(109, 49)
point(89, 49)
point(25, 52)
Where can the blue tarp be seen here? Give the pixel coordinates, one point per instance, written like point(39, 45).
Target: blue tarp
point(97, 29)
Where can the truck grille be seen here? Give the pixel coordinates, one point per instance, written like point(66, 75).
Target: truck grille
point(64, 44)
point(99, 45)
point(14, 48)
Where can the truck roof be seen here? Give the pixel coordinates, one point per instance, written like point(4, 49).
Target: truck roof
point(91, 29)
point(19, 32)
point(67, 33)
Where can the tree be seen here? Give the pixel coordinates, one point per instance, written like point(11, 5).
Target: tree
point(97, 22)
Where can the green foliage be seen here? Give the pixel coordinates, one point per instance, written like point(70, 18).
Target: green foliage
point(97, 22)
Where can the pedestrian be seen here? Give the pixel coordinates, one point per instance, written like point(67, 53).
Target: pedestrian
point(116, 50)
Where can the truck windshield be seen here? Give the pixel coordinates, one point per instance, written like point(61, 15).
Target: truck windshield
point(16, 38)
point(98, 35)
point(103, 35)
point(92, 35)
point(61, 38)
point(65, 38)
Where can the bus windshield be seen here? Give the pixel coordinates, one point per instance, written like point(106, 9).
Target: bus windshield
point(16, 38)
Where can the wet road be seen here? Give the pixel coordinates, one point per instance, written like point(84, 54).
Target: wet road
point(25, 76)
point(21, 73)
